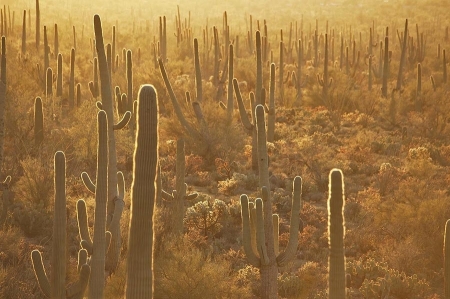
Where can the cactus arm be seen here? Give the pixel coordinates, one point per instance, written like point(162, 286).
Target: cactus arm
point(276, 232)
point(88, 182)
point(83, 229)
point(121, 185)
point(260, 232)
point(191, 196)
point(40, 273)
point(244, 117)
point(284, 257)
point(252, 257)
point(82, 258)
point(123, 122)
point(77, 290)
point(186, 126)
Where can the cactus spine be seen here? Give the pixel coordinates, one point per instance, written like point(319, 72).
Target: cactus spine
point(336, 231)
point(140, 243)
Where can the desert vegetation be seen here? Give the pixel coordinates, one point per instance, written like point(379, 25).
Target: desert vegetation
point(224, 149)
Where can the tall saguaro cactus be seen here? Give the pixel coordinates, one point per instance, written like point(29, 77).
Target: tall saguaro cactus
point(55, 287)
point(97, 280)
point(143, 197)
point(115, 202)
point(336, 231)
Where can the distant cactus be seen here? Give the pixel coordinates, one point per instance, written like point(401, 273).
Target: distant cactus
point(385, 68)
point(38, 25)
point(56, 41)
point(24, 33)
point(72, 80)
point(59, 78)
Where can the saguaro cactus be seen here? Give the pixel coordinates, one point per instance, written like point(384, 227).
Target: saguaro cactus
point(55, 287)
point(447, 260)
point(115, 201)
point(336, 231)
point(266, 256)
point(24, 32)
point(38, 122)
point(97, 280)
point(2, 98)
point(143, 196)
point(38, 25)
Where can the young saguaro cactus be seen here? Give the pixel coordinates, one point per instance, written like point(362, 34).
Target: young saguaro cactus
point(55, 287)
point(38, 122)
point(266, 257)
point(336, 232)
point(143, 196)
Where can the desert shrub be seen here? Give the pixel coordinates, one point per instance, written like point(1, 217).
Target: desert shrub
point(206, 215)
point(184, 271)
point(17, 279)
point(35, 186)
point(249, 277)
point(375, 278)
point(289, 285)
point(419, 163)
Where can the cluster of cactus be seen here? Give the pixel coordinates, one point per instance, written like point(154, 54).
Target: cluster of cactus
point(263, 251)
